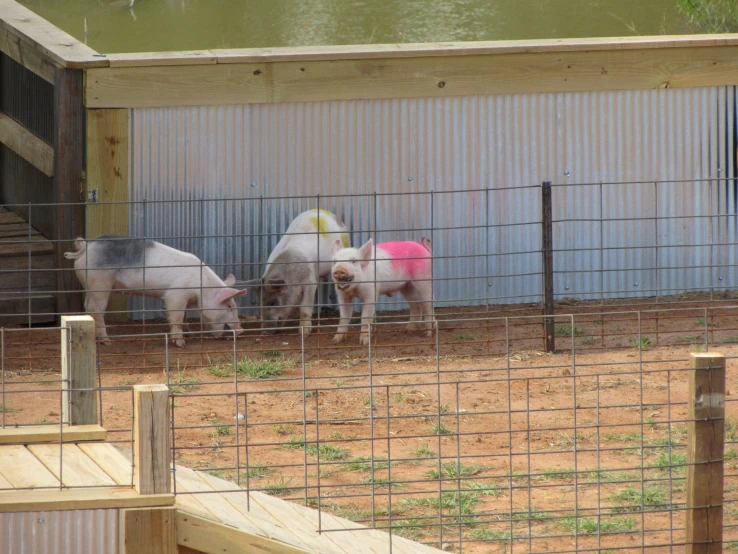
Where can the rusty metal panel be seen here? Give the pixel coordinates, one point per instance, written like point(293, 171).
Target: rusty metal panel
point(60, 532)
point(224, 182)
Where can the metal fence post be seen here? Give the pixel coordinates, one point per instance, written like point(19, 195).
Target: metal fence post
point(548, 276)
point(705, 447)
point(78, 355)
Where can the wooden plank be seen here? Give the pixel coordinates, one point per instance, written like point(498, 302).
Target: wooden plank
point(254, 512)
point(143, 59)
point(111, 460)
point(705, 449)
point(17, 230)
point(148, 531)
point(5, 484)
point(26, 55)
point(506, 73)
point(27, 145)
point(78, 365)
point(107, 181)
point(37, 245)
point(210, 537)
point(69, 160)
point(35, 33)
point(51, 433)
point(10, 217)
point(24, 470)
point(79, 499)
point(287, 514)
point(151, 439)
point(77, 469)
point(14, 310)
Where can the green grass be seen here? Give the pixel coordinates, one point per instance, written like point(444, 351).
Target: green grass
point(453, 502)
point(693, 338)
point(380, 482)
point(567, 331)
point(731, 429)
point(258, 471)
point(220, 369)
point(630, 436)
point(633, 499)
point(348, 511)
point(271, 365)
point(677, 462)
point(327, 452)
point(730, 339)
point(591, 525)
point(283, 429)
point(485, 489)
point(5, 409)
point(644, 343)
point(183, 384)
point(424, 451)
point(438, 428)
point(280, 487)
point(489, 535)
point(452, 470)
point(364, 463)
point(223, 430)
point(702, 322)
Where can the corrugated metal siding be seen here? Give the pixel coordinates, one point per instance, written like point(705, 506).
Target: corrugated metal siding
point(62, 532)
point(28, 99)
point(464, 170)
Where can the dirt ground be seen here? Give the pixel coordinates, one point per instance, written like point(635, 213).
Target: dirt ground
point(474, 435)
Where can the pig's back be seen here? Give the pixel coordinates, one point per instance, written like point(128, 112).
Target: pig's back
point(409, 257)
point(115, 251)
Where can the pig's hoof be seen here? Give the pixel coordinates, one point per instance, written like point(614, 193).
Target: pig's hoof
point(337, 339)
point(104, 340)
point(180, 343)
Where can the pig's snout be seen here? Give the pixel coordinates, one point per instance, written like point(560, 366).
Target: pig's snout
point(342, 278)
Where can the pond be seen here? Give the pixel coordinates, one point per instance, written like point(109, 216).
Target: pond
point(160, 25)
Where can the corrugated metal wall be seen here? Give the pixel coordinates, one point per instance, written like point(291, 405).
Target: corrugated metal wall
point(464, 170)
point(62, 532)
point(28, 99)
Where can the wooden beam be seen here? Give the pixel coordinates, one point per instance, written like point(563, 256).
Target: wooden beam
point(148, 531)
point(215, 538)
point(52, 433)
point(107, 185)
point(27, 145)
point(47, 40)
point(69, 160)
point(151, 439)
point(705, 449)
point(78, 357)
point(79, 499)
point(26, 55)
point(501, 72)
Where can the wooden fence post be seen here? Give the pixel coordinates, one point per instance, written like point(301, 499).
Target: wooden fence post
point(548, 270)
point(79, 401)
point(705, 447)
point(148, 531)
point(151, 453)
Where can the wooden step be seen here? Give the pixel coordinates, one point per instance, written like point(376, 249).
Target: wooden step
point(14, 309)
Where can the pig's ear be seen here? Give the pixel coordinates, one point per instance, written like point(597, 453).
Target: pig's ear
point(365, 252)
point(337, 245)
point(230, 280)
point(225, 294)
point(276, 285)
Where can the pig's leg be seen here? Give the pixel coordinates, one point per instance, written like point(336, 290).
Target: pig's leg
point(346, 308)
point(368, 309)
point(306, 307)
point(96, 302)
point(176, 306)
point(424, 292)
point(416, 309)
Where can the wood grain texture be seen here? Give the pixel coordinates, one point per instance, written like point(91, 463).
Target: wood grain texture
point(45, 39)
point(21, 468)
point(70, 464)
point(78, 357)
point(27, 55)
point(79, 499)
point(52, 433)
point(705, 448)
point(111, 461)
point(151, 439)
point(148, 531)
point(27, 145)
point(398, 77)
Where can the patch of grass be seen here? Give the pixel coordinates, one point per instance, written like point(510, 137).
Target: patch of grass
point(380, 482)
point(408, 528)
point(567, 331)
point(183, 384)
point(731, 429)
point(220, 369)
point(454, 502)
point(327, 452)
point(702, 322)
point(280, 487)
point(677, 462)
point(283, 429)
point(591, 525)
point(439, 428)
point(452, 470)
point(400, 397)
point(364, 463)
point(630, 436)
point(223, 430)
point(588, 341)
point(485, 489)
point(424, 451)
point(295, 443)
point(531, 514)
point(42, 421)
point(730, 453)
point(271, 365)
point(258, 471)
point(730, 339)
point(490, 535)
point(348, 511)
point(369, 401)
point(644, 343)
point(219, 473)
point(693, 338)
point(633, 499)
point(699, 347)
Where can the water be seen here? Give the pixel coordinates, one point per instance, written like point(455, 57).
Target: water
point(160, 25)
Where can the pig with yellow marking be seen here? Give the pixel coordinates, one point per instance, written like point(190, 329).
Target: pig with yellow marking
point(295, 266)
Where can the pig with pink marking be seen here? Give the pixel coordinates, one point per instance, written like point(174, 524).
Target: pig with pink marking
point(391, 267)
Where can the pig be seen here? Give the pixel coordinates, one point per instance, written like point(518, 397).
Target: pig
point(366, 272)
point(150, 268)
point(295, 266)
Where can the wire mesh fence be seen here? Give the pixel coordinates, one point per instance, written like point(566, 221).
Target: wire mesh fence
point(474, 439)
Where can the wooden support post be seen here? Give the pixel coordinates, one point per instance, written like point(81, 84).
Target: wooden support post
point(106, 186)
point(548, 273)
point(78, 356)
point(148, 531)
point(151, 439)
point(69, 159)
point(705, 447)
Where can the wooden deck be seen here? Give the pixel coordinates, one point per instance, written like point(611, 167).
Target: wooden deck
point(23, 248)
point(38, 472)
